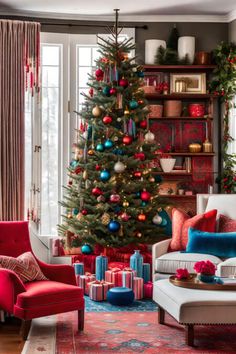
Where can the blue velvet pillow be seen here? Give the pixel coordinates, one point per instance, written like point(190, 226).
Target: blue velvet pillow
point(221, 244)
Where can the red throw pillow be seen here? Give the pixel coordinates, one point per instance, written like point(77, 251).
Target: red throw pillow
point(226, 224)
point(25, 266)
point(181, 222)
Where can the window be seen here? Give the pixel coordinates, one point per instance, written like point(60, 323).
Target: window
point(51, 123)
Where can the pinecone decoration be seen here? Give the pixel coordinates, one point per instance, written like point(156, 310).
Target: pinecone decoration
point(105, 219)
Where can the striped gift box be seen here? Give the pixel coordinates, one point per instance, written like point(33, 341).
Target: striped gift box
point(98, 289)
point(84, 280)
point(128, 277)
point(79, 268)
point(138, 288)
point(114, 275)
point(146, 272)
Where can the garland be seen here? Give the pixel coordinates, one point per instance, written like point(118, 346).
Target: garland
point(224, 86)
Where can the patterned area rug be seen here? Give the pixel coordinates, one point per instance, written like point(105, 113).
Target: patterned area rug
point(104, 306)
point(123, 332)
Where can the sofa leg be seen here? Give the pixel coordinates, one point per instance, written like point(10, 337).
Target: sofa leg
point(161, 315)
point(81, 320)
point(25, 327)
point(189, 335)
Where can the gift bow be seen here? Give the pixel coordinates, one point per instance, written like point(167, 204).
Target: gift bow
point(88, 274)
point(115, 270)
point(127, 269)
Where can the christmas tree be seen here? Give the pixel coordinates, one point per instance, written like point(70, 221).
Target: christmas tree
point(112, 196)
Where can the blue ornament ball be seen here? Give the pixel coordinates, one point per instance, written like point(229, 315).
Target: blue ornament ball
point(117, 209)
point(108, 144)
point(74, 163)
point(86, 249)
point(113, 226)
point(118, 152)
point(140, 74)
point(144, 203)
point(137, 194)
point(158, 178)
point(133, 104)
point(106, 91)
point(100, 147)
point(164, 222)
point(75, 211)
point(105, 175)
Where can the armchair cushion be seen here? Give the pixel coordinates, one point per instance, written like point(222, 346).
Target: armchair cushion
point(226, 224)
point(181, 222)
point(25, 266)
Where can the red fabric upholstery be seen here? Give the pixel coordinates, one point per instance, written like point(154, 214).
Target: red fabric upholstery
point(38, 298)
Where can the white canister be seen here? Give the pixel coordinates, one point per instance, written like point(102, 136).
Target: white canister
point(151, 46)
point(186, 45)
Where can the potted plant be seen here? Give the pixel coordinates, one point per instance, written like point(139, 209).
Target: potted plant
point(206, 271)
point(167, 162)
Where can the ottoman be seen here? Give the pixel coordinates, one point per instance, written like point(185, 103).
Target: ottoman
point(192, 306)
point(120, 296)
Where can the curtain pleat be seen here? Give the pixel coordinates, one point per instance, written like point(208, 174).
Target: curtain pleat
point(14, 37)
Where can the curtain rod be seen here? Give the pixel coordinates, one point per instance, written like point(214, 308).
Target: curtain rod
point(145, 27)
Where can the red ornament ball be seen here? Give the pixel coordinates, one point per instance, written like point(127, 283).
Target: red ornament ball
point(91, 92)
point(78, 170)
point(123, 82)
point(98, 168)
point(145, 196)
point(142, 217)
point(99, 73)
point(113, 91)
point(107, 120)
point(97, 191)
point(138, 174)
point(140, 156)
point(84, 212)
point(127, 140)
point(125, 217)
point(143, 124)
point(115, 198)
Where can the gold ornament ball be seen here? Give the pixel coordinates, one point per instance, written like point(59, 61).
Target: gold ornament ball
point(96, 111)
point(152, 179)
point(79, 216)
point(105, 219)
point(125, 204)
point(69, 216)
point(126, 112)
point(91, 152)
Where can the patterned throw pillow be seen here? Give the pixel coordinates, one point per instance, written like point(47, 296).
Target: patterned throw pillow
point(226, 224)
point(181, 222)
point(25, 266)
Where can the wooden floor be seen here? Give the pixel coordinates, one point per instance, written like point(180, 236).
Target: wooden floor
point(10, 339)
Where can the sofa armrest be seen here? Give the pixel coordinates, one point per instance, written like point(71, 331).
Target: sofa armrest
point(158, 249)
point(10, 286)
point(62, 273)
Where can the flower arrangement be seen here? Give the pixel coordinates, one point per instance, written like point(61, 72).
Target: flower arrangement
point(165, 155)
point(182, 273)
point(205, 267)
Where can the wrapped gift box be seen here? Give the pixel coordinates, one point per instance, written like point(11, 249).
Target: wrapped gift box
point(128, 277)
point(138, 288)
point(114, 275)
point(147, 290)
point(84, 280)
point(98, 289)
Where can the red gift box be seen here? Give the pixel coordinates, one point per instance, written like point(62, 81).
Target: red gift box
point(84, 280)
point(147, 290)
point(98, 289)
point(114, 276)
point(138, 288)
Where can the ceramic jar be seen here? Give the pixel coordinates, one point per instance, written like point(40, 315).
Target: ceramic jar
point(202, 58)
point(196, 110)
point(172, 108)
point(186, 46)
point(205, 278)
point(136, 263)
point(151, 46)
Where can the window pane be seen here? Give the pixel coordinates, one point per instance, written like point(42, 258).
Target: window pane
point(50, 55)
point(84, 56)
point(50, 77)
point(28, 148)
point(96, 55)
point(83, 75)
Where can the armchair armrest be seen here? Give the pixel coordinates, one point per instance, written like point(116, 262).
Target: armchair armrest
point(10, 287)
point(158, 249)
point(62, 273)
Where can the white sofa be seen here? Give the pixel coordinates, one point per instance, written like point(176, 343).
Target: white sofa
point(165, 264)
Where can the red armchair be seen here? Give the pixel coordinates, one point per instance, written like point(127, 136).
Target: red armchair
point(37, 298)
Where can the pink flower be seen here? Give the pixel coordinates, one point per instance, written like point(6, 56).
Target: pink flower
point(182, 273)
point(205, 267)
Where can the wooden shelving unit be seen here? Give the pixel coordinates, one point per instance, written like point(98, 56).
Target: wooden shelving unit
point(181, 131)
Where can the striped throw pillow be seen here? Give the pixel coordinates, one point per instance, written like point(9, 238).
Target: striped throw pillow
point(25, 266)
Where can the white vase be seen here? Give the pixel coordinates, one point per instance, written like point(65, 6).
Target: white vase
point(186, 46)
point(151, 46)
point(167, 165)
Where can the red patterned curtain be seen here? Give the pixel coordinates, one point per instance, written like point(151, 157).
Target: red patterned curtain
point(19, 70)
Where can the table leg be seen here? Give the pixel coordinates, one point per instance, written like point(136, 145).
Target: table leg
point(189, 335)
point(161, 315)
